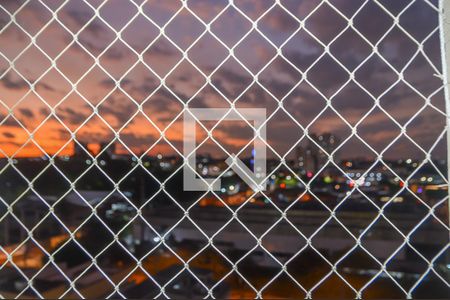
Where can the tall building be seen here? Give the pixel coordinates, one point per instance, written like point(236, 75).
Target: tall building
point(307, 158)
point(109, 152)
point(80, 149)
point(327, 142)
point(310, 157)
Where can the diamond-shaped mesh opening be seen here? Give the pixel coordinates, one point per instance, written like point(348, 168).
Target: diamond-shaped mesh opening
point(157, 49)
point(283, 286)
point(93, 163)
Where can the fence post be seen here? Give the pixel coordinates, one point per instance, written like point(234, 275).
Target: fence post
point(444, 28)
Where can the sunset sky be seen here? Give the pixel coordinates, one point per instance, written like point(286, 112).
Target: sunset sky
point(76, 86)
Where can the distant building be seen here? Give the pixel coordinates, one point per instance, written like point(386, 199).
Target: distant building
point(307, 158)
point(107, 151)
point(327, 142)
point(310, 157)
point(80, 149)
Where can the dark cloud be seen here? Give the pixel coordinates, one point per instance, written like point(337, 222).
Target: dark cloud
point(184, 78)
point(11, 5)
point(110, 83)
point(173, 94)
point(133, 140)
point(3, 21)
point(162, 103)
point(277, 87)
point(93, 47)
point(144, 89)
point(119, 108)
point(115, 53)
point(85, 136)
point(256, 96)
point(81, 17)
point(9, 135)
point(231, 83)
point(231, 76)
point(419, 13)
point(161, 47)
point(281, 21)
point(18, 83)
point(45, 86)
point(301, 59)
point(44, 111)
point(70, 115)
point(12, 84)
point(63, 134)
point(9, 122)
point(26, 112)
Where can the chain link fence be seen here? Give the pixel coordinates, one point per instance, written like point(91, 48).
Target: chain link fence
point(91, 106)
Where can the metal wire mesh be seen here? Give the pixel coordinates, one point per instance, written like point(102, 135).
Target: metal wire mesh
point(353, 72)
